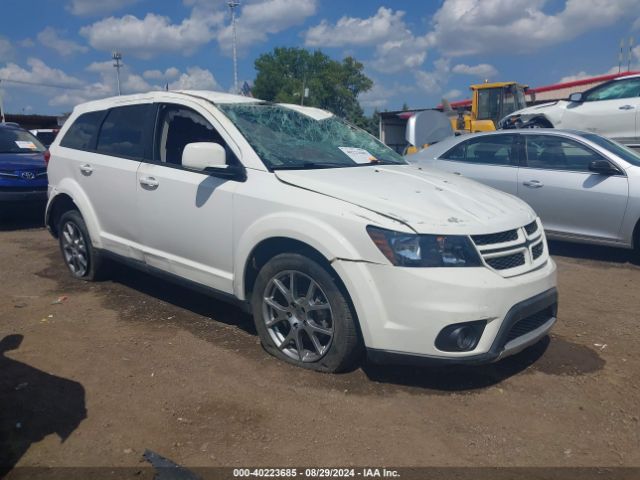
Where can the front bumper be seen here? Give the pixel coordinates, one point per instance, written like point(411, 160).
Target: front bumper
point(402, 310)
point(502, 346)
point(23, 196)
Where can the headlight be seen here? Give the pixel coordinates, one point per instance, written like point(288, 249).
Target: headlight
point(410, 250)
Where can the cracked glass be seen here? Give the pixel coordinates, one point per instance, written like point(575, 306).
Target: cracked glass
point(286, 138)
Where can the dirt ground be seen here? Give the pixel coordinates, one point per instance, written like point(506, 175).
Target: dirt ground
point(136, 363)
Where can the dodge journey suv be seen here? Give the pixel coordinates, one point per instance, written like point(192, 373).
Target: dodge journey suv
point(330, 239)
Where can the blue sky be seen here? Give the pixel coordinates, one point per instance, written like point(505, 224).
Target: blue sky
point(415, 51)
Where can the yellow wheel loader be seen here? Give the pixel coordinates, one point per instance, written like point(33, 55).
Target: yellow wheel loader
point(490, 102)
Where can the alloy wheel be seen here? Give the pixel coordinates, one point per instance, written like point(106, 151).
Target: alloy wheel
point(298, 316)
point(74, 248)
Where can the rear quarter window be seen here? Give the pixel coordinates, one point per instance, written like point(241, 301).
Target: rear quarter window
point(82, 134)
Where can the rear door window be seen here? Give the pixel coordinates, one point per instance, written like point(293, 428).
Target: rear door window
point(125, 132)
point(488, 150)
point(82, 134)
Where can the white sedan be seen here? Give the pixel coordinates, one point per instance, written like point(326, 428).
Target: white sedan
point(611, 109)
point(585, 187)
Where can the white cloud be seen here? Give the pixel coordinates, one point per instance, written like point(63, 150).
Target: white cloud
point(97, 7)
point(468, 27)
point(169, 73)
point(636, 24)
point(433, 82)
point(452, 94)
point(152, 35)
point(582, 74)
point(482, 70)
point(636, 52)
point(395, 55)
point(380, 96)
point(6, 49)
point(27, 43)
point(376, 97)
point(50, 38)
point(396, 47)
point(195, 78)
point(257, 20)
point(38, 73)
point(384, 26)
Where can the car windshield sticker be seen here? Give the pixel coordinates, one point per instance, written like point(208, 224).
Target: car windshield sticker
point(26, 145)
point(358, 155)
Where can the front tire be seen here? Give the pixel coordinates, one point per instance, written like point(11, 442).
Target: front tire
point(78, 253)
point(302, 316)
point(538, 123)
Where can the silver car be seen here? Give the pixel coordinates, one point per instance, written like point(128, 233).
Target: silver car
point(585, 187)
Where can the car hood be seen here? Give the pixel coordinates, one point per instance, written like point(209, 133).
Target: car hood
point(22, 161)
point(540, 109)
point(426, 200)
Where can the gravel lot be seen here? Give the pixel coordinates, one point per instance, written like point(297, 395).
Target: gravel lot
point(107, 370)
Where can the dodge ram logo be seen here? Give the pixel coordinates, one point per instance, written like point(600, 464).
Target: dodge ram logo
point(28, 175)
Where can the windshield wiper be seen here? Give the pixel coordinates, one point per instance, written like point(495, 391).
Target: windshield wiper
point(310, 166)
point(376, 163)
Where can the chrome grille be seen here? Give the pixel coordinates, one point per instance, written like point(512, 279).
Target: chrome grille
point(531, 228)
point(499, 237)
point(537, 250)
point(513, 252)
point(509, 261)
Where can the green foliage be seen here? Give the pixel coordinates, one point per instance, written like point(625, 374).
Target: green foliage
point(283, 74)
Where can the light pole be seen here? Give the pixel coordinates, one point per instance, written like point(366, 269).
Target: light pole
point(233, 4)
point(117, 57)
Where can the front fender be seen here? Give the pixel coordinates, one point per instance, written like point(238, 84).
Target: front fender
point(321, 236)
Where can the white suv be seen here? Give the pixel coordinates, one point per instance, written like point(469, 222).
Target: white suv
point(323, 233)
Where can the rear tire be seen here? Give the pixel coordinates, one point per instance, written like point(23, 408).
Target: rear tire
point(82, 259)
point(302, 316)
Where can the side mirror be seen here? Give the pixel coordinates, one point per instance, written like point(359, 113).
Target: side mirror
point(576, 97)
point(602, 167)
point(203, 155)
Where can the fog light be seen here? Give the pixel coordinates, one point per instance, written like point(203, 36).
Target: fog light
point(460, 337)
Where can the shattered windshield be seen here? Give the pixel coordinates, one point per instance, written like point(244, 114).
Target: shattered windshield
point(287, 138)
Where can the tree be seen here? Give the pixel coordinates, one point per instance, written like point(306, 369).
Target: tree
point(284, 74)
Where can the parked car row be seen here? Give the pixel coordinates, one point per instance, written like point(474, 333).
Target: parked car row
point(330, 239)
point(585, 187)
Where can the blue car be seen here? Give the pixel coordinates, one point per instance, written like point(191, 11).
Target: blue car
point(23, 170)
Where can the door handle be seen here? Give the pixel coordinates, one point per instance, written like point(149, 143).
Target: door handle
point(457, 173)
point(149, 182)
point(86, 169)
point(533, 184)
point(626, 107)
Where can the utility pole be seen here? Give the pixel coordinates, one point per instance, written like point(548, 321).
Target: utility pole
point(1, 104)
point(630, 53)
point(621, 55)
point(233, 4)
point(117, 57)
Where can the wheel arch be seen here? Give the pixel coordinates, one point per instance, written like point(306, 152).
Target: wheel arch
point(69, 196)
point(270, 247)
point(57, 206)
point(539, 119)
